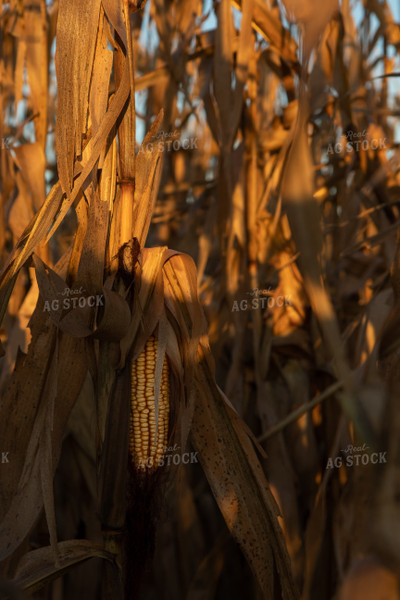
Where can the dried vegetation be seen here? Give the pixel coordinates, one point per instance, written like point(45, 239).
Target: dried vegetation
point(260, 148)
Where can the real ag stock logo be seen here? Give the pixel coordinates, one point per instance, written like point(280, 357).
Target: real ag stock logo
point(261, 299)
point(167, 141)
point(171, 456)
point(358, 140)
point(356, 456)
point(71, 299)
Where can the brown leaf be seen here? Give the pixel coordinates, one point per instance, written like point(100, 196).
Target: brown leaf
point(148, 301)
point(102, 67)
point(76, 38)
point(28, 383)
point(239, 486)
point(313, 17)
point(148, 174)
point(95, 146)
point(29, 240)
point(82, 312)
point(21, 489)
point(114, 12)
point(92, 257)
point(51, 287)
point(37, 567)
point(114, 319)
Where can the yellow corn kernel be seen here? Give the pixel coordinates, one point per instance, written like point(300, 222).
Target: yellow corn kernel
point(145, 447)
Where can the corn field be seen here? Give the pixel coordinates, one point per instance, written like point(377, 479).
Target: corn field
point(199, 300)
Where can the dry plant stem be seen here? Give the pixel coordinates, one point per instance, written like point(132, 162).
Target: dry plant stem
point(41, 124)
point(125, 201)
point(127, 129)
point(127, 144)
point(131, 59)
point(296, 414)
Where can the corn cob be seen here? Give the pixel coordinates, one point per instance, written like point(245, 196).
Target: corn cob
point(147, 449)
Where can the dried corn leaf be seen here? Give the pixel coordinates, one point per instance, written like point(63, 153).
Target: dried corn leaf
point(78, 320)
point(28, 241)
point(76, 38)
point(313, 17)
point(147, 301)
point(25, 500)
point(239, 485)
point(37, 567)
point(148, 174)
point(95, 146)
point(102, 66)
point(38, 385)
point(115, 14)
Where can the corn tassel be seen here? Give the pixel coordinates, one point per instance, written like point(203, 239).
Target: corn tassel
point(146, 443)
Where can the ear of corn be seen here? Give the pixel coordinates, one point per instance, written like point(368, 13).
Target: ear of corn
point(147, 442)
